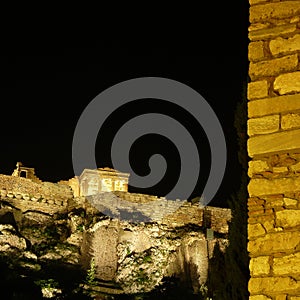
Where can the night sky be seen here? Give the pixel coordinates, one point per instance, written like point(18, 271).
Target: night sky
point(47, 90)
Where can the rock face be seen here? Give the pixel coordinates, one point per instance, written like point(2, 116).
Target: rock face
point(139, 256)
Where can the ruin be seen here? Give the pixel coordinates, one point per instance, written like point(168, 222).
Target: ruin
point(121, 232)
point(106, 190)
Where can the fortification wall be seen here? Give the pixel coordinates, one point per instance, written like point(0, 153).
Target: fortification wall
point(173, 213)
point(28, 195)
point(274, 147)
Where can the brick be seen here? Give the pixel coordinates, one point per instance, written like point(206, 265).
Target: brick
point(258, 89)
point(274, 242)
point(267, 33)
point(295, 167)
point(273, 67)
point(255, 230)
point(277, 10)
point(256, 51)
point(273, 105)
point(290, 121)
point(261, 186)
point(263, 125)
point(259, 297)
point(257, 166)
point(273, 285)
point(259, 266)
point(275, 142)
point(281, 45)
point(288, 218)
point(287, 83)
point(287, 265)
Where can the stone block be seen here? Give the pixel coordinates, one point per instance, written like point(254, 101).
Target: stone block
point(255, 230)
point(252, 2)
point(268, 106)
point(261, 186)
point(263, 125)
point(295, 167)
point(290, 121)
point(281, 45)
point(280, 169)
point(258, 89)
point(257, 166)
point(277, 10)
point(259, 297)
point(288, 218)
point(275, 142)
point(269, 225)
point(288, 202)
point(267, 33)
point(256, 51)
point(259, 266)
point(274, 242)
point(287, 83)
point(280, 297)
point(286, 265)
point(273, 67)
point(273, 285)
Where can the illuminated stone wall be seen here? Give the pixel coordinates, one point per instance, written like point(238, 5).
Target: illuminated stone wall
point(274, 149)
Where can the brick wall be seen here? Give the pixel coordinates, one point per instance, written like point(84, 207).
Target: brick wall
point(274, 149)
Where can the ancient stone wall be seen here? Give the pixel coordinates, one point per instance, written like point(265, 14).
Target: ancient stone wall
point(26, 195)
point(274, 148)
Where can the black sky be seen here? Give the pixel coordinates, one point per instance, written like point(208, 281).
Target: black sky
point(47, 89)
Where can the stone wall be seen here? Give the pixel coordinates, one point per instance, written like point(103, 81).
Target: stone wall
point(174, 213)
point(26, 195)
point(274, 147)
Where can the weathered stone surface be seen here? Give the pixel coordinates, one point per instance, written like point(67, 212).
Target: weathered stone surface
point(288, 202)
point(267, 33)
point(257, 166)
point(273, 285)
point(255, 230)
point(252, 2)
point(274, 242)
point(280, 169)
point(279, 141)
point(258, 89)
point(261, 186)
point(295, 298)
point(256, 51)
point(287, 265)
point(273, 105)
point(259, 297)
point(281, 45)
point(280, 297)
point(295, 167)
point(273, 67)
point(288, 218)
point(260, 265)
point(263, 125)
point(274, 10)
point(287, 83)
point(290, 121)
